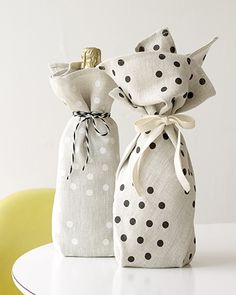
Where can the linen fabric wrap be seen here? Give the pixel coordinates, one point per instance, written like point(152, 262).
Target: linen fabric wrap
point(153, 213)
point(82, 212)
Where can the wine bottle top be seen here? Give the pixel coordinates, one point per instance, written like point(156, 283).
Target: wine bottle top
point(91, 57)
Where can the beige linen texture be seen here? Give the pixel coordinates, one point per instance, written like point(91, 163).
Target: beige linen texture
point(156, 228)
point(82, 212)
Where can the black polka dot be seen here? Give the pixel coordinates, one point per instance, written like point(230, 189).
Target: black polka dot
point(189, 172)
point(178, 81)
point(149, 223)
point(188, 60)
point(159, 74)
point(194, 240)
point(123, 238)
point(126, 203)
point(184, 171)
point(132, 221)
point(122, 187)
point(121, 95)
point(172, 49)
point(156, 113)
point(120, 88)
point(150, 190)
point(165, 33)
point(162, 56)
point(113, 72)
point(152, 145)
point(147, 132)
point(117, 219)
point(190, 94)
point(131, 258)
point(165, 136)
point(185, 95)
point(141, 205)
point(140, 240)
point(204, 57)
point(137, 149)
point(148, 256)
point(130, 96)
point(182, 153)
point(193, 204)
point(101, 68)
point(121, 62)
point(202, 81)
point(160, 243)
point(165, 224)
point(141, 48)
point(161, 205)
point(127, 79)
point(194, 187)
point(190, 256)
point(191, 77)
point(163, 89)
point(156, 47)
point(177, 64)
point(173, 101)
point(186, 193)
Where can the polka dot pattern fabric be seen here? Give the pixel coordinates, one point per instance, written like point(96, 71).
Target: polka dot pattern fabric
point(82, 212)
point(156, 228)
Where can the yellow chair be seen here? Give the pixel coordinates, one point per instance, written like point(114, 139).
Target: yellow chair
point(25, 223)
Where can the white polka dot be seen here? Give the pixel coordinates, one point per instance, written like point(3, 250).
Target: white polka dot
point(90, 176)
point(105, 187)
point(97, 99)
point(104, 167)
point(105, 242)
point(67, 139)
point(97, 83)
point(103, 150)
point(74, 241)
point(89, 192)
point(112, 140)
point(109, 224)
point(69, 223)
point(73, 186)
point(79, 104)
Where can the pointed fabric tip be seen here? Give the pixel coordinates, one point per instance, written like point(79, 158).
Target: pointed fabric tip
point(159, 41)
point(199, 55)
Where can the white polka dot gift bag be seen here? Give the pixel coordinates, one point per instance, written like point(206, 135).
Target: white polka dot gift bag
point(88, 159)
point(155, 188)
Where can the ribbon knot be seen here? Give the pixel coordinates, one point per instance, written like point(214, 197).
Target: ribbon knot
point(87, 117)
point(154, 125)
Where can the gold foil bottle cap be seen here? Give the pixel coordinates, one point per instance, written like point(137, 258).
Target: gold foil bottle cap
point(91, 57)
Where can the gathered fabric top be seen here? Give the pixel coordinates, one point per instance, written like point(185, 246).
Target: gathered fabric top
point(82, 89)
point(157, 80)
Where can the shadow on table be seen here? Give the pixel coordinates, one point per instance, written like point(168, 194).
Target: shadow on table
point(138, 281)
point(213, 259)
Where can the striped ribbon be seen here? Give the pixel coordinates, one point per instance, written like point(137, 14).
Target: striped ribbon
point(87, 117)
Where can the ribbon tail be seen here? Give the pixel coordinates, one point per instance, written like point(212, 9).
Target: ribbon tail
point(178, 167)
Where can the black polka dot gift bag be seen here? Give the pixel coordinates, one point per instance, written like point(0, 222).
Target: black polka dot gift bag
point(88, 159)
point(155, 186)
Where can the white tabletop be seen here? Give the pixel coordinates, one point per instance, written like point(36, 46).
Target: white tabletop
point(43, 271)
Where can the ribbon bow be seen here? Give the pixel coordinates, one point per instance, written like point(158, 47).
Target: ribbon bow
point(87, 117)
point(157, 124)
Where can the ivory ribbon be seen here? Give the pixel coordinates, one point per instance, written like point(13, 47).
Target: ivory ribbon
point(157, 124)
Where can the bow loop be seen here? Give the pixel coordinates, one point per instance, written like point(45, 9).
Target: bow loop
point(157, 124)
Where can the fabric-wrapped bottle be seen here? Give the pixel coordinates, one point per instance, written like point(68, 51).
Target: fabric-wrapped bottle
point(155, 186)
point(88, 159)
